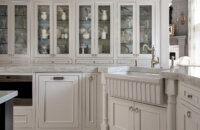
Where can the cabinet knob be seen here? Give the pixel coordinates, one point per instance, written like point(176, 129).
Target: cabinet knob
point(137, 110)
point(189, 96)
point(131, 108)
point(91, 78)
point(94, 61)
point(188, 114)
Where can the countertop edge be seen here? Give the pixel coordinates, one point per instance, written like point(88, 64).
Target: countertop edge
point(7, 96)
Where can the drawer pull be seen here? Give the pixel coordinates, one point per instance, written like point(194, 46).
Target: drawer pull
point(58, 78)
point(189, 96)
point(188, 114)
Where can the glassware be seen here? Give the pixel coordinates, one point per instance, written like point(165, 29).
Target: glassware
point(62, 29)
point(3, 29)
point(85, 30)
point(104, 29)
point(145, 27)
point(43, 29)
point(126, 29)
point(20, 29)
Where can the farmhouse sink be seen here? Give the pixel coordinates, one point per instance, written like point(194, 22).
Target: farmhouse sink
point(136, 86)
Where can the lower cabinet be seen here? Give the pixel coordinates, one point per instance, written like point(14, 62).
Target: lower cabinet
point(188, 119)
point(58, 101)
point(129, 115)
point(23, 118)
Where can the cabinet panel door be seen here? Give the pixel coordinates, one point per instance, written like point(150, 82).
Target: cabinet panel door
point(21, 30)
point(43, 29)
point(121, 115)
point(85, 28)
point(4, 29)
point(126, 31)
point(149, 117)
point(104, 29)
point(146, 28)
point(58, 101)
point(62, 29)
point(188, 119)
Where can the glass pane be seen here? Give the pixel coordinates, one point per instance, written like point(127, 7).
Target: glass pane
point(145, 29)
point(126, 29)
point(85, 30)
point(43, 29)
point(20, 29)
point(62, 30)
point(104, 29)
point(3, 29)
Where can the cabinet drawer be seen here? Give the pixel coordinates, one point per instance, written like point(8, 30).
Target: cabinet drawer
point(23, 118)
point(126, 61)
point(190, 95)
point(94, 61)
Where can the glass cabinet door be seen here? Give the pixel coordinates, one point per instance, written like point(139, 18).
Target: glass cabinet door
point(126, 29)
point(85, 29)
point(104, 29)
point(43, 29)
point(62, 29)
point(145, 29)
point(20, 25)
point(3, 29)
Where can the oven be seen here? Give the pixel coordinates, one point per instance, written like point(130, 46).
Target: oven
point(21, 83)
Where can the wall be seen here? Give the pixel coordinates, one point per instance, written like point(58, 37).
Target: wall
point(180, 6)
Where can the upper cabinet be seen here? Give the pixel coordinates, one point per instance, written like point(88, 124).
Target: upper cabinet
point(14, 30)
point(136, 34)
point(53, 29)
point(94, 29)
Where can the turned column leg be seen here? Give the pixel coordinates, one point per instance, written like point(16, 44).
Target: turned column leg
point(104, 125)
point(171, 91)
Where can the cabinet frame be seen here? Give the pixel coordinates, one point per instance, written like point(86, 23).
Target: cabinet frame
point(36, 5)
point(110, 4)
point(119, 29)
point(78, 5)
point(25, 3)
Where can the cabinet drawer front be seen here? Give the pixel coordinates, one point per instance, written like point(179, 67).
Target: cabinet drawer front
point(94, 61)
point(190, 95)
point(58, 100)
point(22, 118)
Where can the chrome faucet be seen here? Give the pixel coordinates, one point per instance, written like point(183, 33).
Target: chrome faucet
point(153, 61)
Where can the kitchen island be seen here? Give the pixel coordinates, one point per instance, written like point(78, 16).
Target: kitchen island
point(6, 109)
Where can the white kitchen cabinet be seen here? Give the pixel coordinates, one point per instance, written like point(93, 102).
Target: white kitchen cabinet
point(188, 119)
point(90, 101)
point(58, 101)
point(121, 114)
point(53, 30)
point(23, 118)
point(94, 32)
point(148, 117)
point(128, 115)
point(14, 31)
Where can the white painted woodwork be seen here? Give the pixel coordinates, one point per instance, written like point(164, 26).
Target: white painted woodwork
point(188, 119)
point(58, 101)
point(129, 115)
point(150, 117)
point(121, 116)
point(23, 118)
point(90, 101)
point(136, 89)
point(159, 36)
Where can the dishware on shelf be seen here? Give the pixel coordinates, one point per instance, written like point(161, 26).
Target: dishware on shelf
point(83, 46)
point(63, 16)
point(44, 33)
point(86, 35)
point(103, 34)
point(104, 15)
point(43, 15)
point(66, 36)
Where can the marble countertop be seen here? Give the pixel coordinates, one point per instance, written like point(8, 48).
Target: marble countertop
point(7, 95)
point(186, 74)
